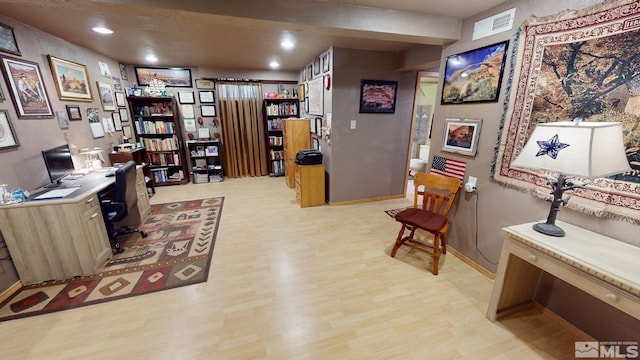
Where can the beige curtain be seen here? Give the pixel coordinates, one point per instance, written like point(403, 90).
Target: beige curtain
point(243, 132)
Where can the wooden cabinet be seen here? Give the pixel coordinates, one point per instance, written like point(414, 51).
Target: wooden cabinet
point(309, 181)
point(296, 136)
point(158, 128)
point(205, 157)
point(139, 155)
point(57, 239)
point(275, 111)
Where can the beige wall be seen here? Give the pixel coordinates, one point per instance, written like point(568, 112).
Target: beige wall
point(495, 206)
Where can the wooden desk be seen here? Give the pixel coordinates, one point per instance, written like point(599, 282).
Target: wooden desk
point(57, 239)
point(600, 266)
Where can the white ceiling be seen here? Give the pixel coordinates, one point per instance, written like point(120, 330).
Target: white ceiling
point(245, 34)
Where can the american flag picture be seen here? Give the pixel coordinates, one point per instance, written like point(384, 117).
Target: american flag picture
point(448, 167)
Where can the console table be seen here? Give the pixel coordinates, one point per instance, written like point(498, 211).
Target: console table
point(603, 267)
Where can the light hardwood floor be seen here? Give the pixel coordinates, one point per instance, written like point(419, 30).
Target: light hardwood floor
point(292, 283)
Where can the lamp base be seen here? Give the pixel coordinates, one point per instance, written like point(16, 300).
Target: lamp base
point(549, 229)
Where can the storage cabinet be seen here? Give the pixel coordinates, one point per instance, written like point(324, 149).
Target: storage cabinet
point(309, 181)
point(296, 136)
point(205, 160)
point(158, 128)
point(275, 110)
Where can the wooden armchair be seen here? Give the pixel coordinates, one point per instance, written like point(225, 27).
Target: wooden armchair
point(433, 196)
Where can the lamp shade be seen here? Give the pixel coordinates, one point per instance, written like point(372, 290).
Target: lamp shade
point(584, 149)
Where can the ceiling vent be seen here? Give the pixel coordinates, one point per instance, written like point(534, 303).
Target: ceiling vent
point(494, 24)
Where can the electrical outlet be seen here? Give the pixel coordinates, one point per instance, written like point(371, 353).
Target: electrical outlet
point(470, 186)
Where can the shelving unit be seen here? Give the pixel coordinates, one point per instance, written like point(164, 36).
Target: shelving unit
point(158, 128)
point(275, 111)
point(205, 160)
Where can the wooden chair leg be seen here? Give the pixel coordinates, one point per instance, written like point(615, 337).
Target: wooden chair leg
point(436, 254)
point(444, 244)
point(399, 241)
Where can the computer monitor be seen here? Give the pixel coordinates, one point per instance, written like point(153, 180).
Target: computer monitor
point(59, 162)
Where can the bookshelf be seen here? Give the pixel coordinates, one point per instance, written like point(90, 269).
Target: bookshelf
point(205, 157)
point(275, 111)
point(158, 129)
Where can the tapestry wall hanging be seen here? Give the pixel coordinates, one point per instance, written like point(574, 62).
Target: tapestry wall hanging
point(577, 64)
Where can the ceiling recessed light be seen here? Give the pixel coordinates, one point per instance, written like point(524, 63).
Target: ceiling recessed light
point(274, 64)
point(102, 30)
point(287, 44)
point(151, 58)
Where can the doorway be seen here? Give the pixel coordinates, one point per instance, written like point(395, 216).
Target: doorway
point(424, 106)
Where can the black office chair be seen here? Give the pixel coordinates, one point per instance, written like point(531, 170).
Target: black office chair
point(124, 198)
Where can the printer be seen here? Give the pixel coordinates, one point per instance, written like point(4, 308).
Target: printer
point(308, 157)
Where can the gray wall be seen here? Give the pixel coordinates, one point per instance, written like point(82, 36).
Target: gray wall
point(498, 206)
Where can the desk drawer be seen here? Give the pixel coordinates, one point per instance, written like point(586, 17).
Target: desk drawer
point(88, 203)
point(573, 275)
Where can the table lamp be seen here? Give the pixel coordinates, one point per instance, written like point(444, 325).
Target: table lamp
point(583, 149)
point(92, 163)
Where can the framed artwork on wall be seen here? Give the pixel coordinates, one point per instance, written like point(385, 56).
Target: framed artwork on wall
point(475, 75)
point(204, 84)
point(28, 93)
point(461, 136)
point(71, 79)
point(316, 97)
point(207, 96)
point(126, 131)
point(378, 96)
point(208, 110)
point(8, 41)
point(74, 112)
point(186, 97)
point(123, 72)
point(121, 101)
point(325, 62)
point(117, 121)
point(8, 138)
point(106, 96)
point(172, 77)
point(97, 130)
point(63, 119)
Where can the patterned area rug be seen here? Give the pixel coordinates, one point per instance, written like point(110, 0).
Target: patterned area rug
point(176, 252)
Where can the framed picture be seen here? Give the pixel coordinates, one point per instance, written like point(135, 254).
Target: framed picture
point(325, 62)
point(319, 126)
point(97, 130)
point(117, 121)
point(474, 76)
point(124, 115)
point(301, 92)
point(316, 66)
point(378, 96)
point(123, 72)
point(63, 119)
point(126, 131)
point(174, 77)
point(204, 84)
point(207, 96)
point(121, 100)
point(8, 41)
point(28, 93)
point(312, 127)
point(106, 96)
point(186, 97)
point(208, 110)
point(71, 79)
point(8, 138)
point(461, 136)
point(309, 72)
point(74, 112)
point(316, 97)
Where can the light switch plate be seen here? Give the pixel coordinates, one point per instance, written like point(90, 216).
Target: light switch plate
point(353, 124)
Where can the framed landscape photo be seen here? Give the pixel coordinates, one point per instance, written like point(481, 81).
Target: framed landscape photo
point(106, 96)
point(172, 77)
point(25, 83)
point(378, 96)
point(461, 136)
point(8, 137)
point(8, 41)
point(71, 79)
point(475, 75)
point(74, 112)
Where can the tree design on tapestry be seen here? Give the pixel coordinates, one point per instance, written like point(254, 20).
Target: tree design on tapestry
point(596, 80)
